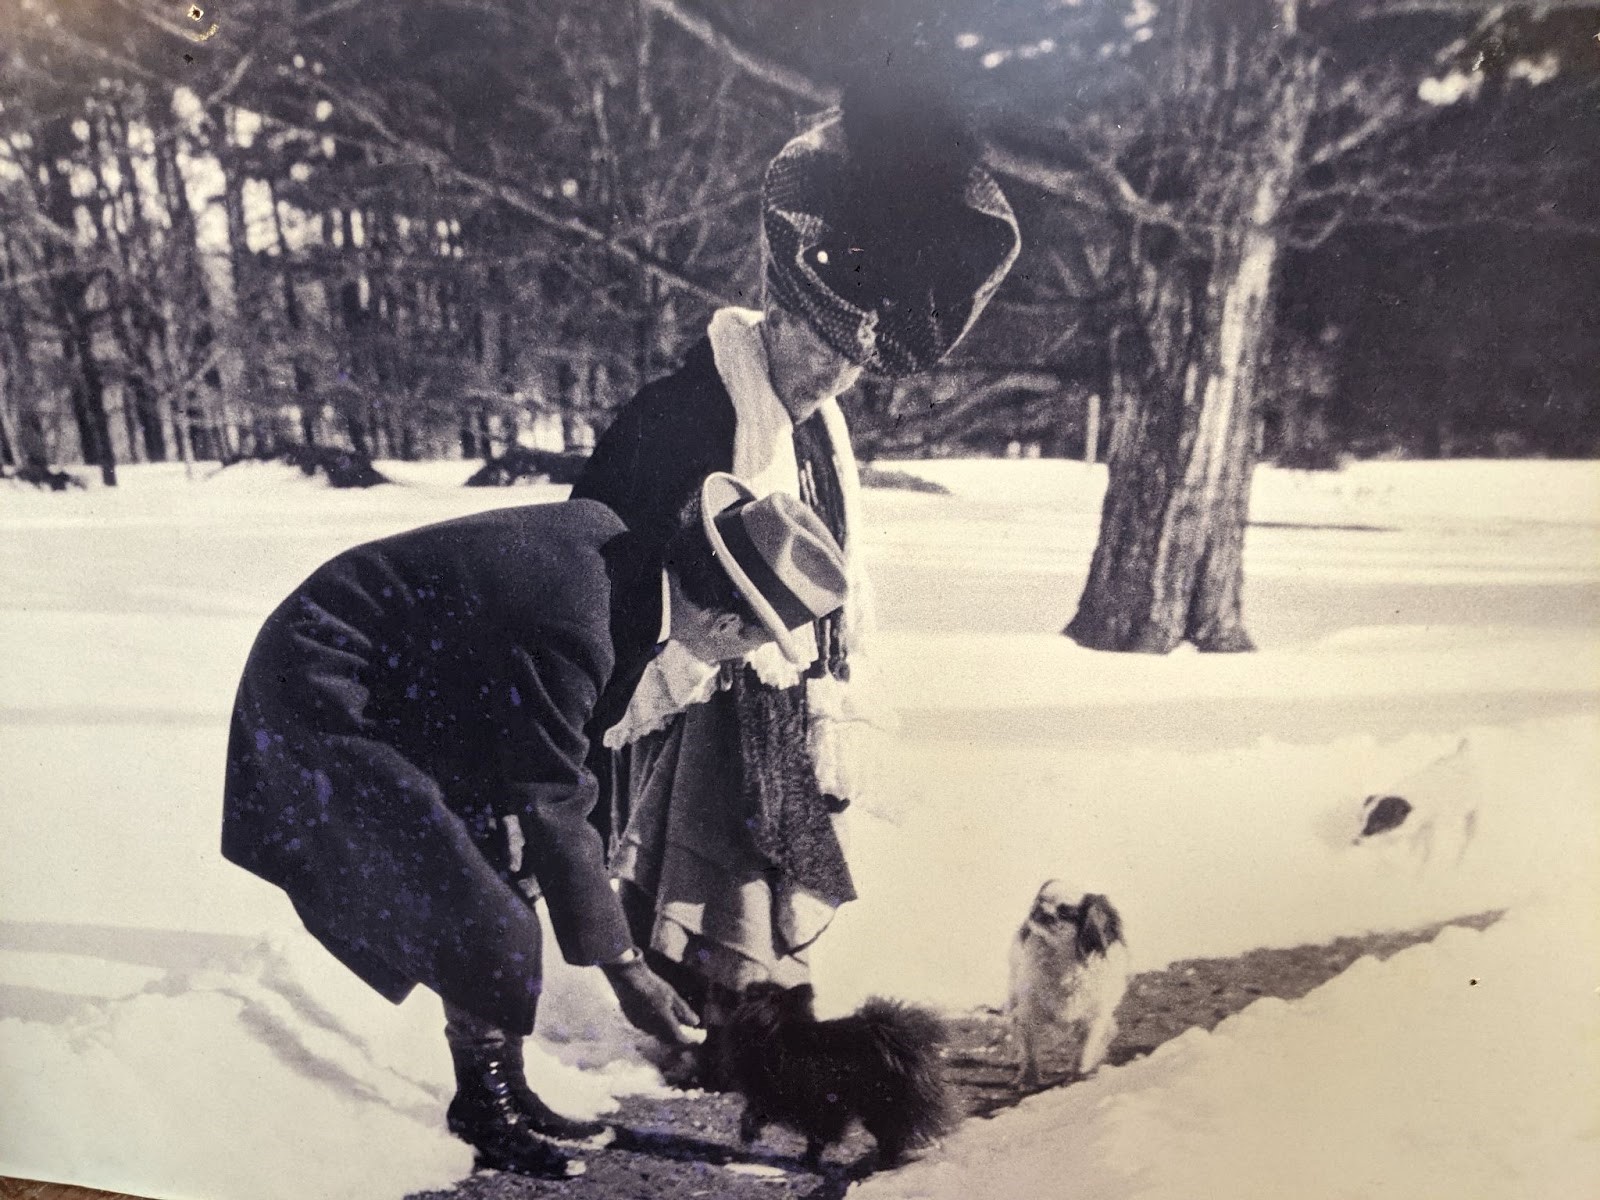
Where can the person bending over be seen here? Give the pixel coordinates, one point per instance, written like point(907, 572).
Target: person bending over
point(407, 757)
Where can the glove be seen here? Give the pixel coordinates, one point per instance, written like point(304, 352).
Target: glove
point(651, 1004)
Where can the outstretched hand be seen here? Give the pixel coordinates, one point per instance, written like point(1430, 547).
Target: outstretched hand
point(652, 1005)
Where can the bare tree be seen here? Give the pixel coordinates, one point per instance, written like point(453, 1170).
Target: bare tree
point(1248, 132)
point(1199, 184)
point(1197, 140)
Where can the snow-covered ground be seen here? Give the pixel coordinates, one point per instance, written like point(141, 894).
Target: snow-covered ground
point(167, 1028)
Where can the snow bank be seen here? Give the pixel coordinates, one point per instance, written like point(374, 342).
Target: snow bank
point(1206, 854)
point(1463, 1068)
point(218, 1081)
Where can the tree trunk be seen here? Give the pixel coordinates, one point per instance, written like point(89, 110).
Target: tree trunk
point(89, 395)
point(186, 320)
point(25, 430)
point(1168, 566)
point(183, 430)
point(87, 388)
point(139, 328)
point(10, 454)
point(130, 425)
point(485, 442)
point(357, 429)
point(308, 412)
point(69, 300)
point(245, 318)
point(309, 404)
point(147, 407)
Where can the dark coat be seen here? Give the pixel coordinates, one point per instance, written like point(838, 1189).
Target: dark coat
point(649, 463)
point(660, 446)
point(407, 696)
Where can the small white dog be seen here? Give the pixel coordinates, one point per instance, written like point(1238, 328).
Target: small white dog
point(1069, 967)
point(1431, 815)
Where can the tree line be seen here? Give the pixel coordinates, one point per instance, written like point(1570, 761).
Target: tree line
point(420, 229)
point(354, 228)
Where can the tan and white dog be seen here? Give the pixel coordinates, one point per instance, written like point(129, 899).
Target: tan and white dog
point(1069, 968)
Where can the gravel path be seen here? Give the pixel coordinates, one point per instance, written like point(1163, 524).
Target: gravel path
point(687, 1146)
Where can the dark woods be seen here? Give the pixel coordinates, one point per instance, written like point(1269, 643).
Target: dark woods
point(410, 230)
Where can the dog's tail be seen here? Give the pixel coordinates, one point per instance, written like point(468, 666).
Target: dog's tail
point(906, 1040)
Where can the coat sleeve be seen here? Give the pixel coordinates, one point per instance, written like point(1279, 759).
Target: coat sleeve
point(550, 688)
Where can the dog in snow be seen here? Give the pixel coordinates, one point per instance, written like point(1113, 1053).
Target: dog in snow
point(1431, 816)
point(1069, 970)
point(880, 1064)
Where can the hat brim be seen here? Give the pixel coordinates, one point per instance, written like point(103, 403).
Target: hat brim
point(718, 493)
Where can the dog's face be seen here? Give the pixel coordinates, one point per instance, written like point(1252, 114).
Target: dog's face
point(768, 1006)
point(1084, 924)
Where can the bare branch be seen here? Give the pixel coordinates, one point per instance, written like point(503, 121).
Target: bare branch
point(1103, 181)
point(143, 12)
point(1311, 239)
point(1379, 121)
point(775, 74)
point(329, 10)
point(390, 141)
point(194, 376)
point(1045, 175)
point(99, 53)
point(724, 203)
point(226, 88)
point(1489, 19)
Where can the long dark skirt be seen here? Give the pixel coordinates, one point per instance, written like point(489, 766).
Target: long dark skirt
point(698, 893)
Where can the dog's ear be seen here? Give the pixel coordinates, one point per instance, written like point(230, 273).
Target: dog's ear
point(1383, 813)
point(1099, 925)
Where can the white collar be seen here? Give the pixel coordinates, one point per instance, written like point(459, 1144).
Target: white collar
point(764, 457)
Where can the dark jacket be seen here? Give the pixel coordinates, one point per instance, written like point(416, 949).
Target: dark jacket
point(660, 446)
point(650, 462)
point(406, 697)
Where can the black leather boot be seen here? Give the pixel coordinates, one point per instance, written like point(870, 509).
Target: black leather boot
point(486, 1115)
point(546, 1121)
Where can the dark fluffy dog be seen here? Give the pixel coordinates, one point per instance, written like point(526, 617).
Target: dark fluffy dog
point(880, 1064)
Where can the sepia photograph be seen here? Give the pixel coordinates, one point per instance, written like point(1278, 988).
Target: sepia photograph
point(891, 599)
